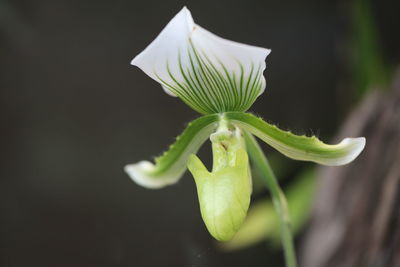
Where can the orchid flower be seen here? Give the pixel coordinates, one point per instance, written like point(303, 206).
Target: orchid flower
point(220, 79)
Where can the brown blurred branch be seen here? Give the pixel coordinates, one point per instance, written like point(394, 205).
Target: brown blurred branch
point(356, 219)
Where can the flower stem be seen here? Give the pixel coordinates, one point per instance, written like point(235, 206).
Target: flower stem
point(278, 198)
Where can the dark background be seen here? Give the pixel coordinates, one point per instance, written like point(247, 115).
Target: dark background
point(74, 112)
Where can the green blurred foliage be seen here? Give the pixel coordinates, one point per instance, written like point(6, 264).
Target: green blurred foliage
point(370, 71)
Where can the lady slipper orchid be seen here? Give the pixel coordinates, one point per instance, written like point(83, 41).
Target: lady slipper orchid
point(220, 79)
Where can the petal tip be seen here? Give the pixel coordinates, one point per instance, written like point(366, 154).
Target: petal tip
point(134, 61)
point(186, 17)
point(185, 9)
point(139, 173)
point(354, 146)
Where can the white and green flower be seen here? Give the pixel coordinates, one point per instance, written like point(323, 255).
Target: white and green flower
point(207, 72)
point(220, 79)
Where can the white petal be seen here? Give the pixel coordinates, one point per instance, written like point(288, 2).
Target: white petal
point(165, 47)
point(207, 72)
point(231, 54)
point(353, 147)
point(141, 174)
point(299, 147)
point(171, 165)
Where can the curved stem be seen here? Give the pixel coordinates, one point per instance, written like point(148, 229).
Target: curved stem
point(278, 198)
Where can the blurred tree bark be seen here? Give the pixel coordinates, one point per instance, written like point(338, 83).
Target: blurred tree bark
point(356, 218)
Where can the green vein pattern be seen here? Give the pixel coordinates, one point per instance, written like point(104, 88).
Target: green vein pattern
point(210, 87)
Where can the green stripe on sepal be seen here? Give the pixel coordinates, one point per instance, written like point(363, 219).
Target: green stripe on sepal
point(299, 147)
point(208, 87)
point(169, 167)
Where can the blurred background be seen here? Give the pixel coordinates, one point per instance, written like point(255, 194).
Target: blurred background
point(74, 112)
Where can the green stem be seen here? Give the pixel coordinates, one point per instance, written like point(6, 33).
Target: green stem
point(278, 198)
